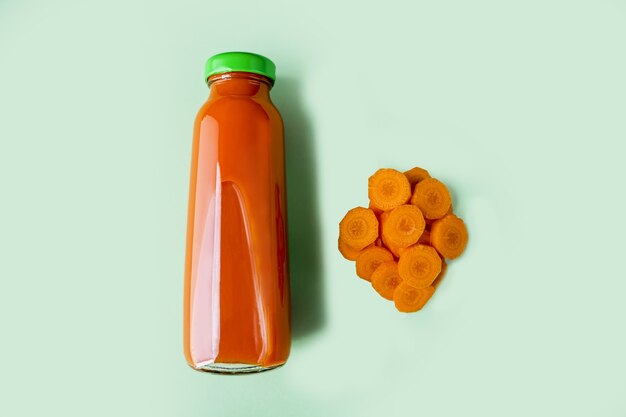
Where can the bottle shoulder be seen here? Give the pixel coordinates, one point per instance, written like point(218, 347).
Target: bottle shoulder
point(233, 110)
point(216, 105)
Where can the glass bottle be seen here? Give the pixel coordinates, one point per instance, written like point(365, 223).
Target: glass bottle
point(237, 302)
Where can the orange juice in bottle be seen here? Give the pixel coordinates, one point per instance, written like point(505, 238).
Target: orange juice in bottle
point(236, 316)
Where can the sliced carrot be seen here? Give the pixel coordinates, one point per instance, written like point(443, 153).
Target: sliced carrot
point(382, 218)
point(348, 251)
point(401, 241)
point(442, 274)
point(387, 189)
point(429, 222)
point(449, 236)
point(432, 197)
point(415, 175)
point(370, 259)
point(376, 211)
point(385, 279)
point(403, 226)
point(359, 228)
point(409, 299)
point(395, 249)
point(419, 265)
point(425, 238)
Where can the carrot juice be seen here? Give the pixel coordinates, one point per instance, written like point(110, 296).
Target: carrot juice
point(237, 303)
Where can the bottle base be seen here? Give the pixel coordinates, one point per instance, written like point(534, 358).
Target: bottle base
point(234, 368)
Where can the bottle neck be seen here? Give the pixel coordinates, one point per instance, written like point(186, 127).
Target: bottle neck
point(240, 84)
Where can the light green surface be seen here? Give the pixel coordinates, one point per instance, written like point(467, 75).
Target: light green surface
point(518, 106)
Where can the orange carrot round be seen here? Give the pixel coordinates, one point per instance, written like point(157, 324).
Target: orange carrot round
point(403, 226)
point(387, 189)
point(409, 299)
point(370, 259)
point(382, 217)
point(442, 274)
point(432, 197)
point(425, 238)
point(402, 240)
point(348, 251)
point(415, 175)
point(419, 265)
point(385, 279)
point(395, 249)
point(449, 236)
point(376, 211)
point(359, 228)
point(429, 222)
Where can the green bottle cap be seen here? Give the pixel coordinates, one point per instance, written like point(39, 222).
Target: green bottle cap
point(239, 61)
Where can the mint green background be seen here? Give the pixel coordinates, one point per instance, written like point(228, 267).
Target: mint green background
point(518, 106)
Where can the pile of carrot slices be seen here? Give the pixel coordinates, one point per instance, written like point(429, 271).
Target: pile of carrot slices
point(401, 241)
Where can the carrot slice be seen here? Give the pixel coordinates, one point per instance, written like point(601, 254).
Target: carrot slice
point(403, 226)
point(432, 197)
point(429, 222)
point(392, 248)
point(415, 175)
point(419, 265)
point(359, 228)
point(383, 218)
point(387, 189)
point(449, 236)
point(370, 259)
point(409, 299)
point(385, 279)
point(425, 238)
point(376, 211)
point(348, 251)
point(442, 274)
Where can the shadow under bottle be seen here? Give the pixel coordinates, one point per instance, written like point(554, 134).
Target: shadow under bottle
point(305, 263)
